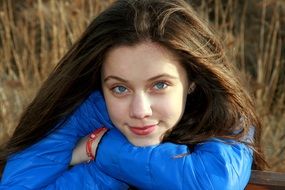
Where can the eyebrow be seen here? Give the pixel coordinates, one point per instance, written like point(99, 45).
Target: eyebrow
point(150, 79)
point(115, 78)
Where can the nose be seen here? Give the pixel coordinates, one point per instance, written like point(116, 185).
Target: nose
point(140, 106)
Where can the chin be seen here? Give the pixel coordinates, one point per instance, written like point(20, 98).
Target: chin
point(144, 142)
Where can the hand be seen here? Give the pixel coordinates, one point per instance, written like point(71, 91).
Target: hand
point(79, 154)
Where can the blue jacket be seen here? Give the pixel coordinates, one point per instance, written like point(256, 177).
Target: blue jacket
point(213, 164)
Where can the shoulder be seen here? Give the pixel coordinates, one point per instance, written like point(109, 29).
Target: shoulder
point(222, 147)
point(224, 164)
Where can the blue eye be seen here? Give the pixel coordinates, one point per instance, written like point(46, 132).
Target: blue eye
point(160, 85)
point(119, 89)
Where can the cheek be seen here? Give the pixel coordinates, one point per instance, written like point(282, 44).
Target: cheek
point(117, 110)
point(171, 107)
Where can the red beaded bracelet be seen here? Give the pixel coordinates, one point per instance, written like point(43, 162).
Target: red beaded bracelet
point(90, 140)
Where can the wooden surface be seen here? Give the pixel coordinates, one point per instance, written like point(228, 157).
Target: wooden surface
point(266, 180)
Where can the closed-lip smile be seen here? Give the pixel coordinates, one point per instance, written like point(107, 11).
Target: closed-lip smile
point(142, 131)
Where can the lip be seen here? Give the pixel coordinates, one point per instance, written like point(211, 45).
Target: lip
point(143, 131)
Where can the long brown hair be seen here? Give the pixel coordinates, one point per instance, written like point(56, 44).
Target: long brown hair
point(218, 107)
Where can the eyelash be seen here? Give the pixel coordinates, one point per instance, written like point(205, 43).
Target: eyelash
point(165, 85)
point(115, 88)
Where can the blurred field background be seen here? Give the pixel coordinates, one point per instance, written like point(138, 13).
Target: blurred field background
point(35, 34)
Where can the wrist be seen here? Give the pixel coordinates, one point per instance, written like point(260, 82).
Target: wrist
point(93, 141)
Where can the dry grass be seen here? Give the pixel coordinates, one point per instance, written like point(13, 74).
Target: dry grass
point(254, 37)
point(34, 34)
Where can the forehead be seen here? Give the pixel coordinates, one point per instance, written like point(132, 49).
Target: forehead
point(145, 57)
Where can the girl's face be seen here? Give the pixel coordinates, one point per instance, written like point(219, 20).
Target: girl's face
point(145, 89)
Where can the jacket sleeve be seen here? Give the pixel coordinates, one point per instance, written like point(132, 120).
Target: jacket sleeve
point(214, 164)
point(47, 160)
point(87, 177)
point(82, 176)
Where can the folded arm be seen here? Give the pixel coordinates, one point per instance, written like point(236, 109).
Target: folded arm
point(46, 163)
point(212, 165)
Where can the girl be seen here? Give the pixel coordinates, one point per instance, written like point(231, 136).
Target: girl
point(179, 117)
